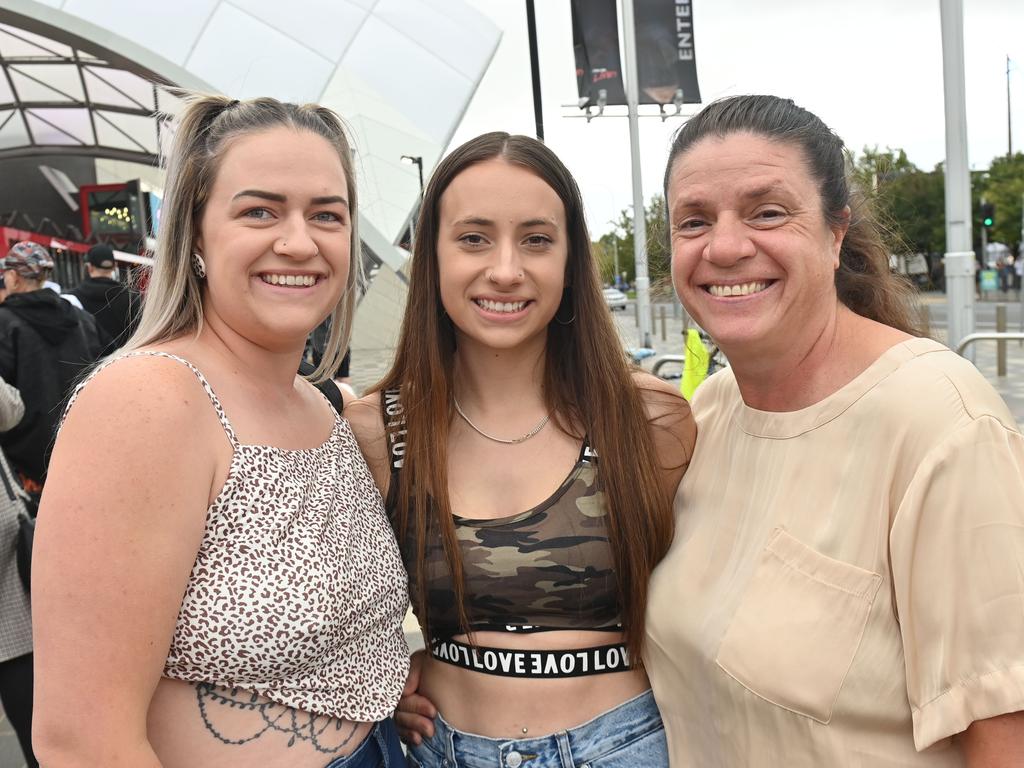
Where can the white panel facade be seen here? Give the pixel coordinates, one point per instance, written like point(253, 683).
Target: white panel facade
point(169, 29)
point(401, 72)
point(325, 26)
point(245, 57)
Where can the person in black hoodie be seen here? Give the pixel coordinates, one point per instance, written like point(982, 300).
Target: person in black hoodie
point(111, 302)
point(45, 343)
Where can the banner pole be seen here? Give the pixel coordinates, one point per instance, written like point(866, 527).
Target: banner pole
point(632, 85)
point(531, 27)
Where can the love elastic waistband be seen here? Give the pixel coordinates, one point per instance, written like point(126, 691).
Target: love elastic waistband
point(509, 662)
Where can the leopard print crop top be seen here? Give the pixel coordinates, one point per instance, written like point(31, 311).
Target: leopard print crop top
point(298, 590)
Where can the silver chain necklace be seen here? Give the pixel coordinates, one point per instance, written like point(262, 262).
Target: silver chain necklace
point(514, 440)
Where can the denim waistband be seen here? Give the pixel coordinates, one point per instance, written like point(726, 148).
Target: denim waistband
point(380, 748)
point(606, 733)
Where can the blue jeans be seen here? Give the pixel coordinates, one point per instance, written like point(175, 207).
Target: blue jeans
point(629, 736)
point(381, 749)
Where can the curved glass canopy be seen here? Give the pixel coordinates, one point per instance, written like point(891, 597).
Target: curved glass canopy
point(57, 98)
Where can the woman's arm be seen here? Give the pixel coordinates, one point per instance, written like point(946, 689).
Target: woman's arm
point(121, 519)
point(12, 408)
point(672, 428)
point(997, 742)
point(364, 416)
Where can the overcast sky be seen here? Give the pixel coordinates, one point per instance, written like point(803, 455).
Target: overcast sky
point(871, 69)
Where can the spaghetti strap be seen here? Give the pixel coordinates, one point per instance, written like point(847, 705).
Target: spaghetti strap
point(228, 429)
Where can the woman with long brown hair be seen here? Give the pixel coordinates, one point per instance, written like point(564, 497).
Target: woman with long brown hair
point(528, 472)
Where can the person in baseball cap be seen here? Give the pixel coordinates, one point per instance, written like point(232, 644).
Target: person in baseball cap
point(29, 260)
point(47, 343)
point(114, 304)
point(101, 257)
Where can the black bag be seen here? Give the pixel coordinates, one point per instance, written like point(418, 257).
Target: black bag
point(26, 532)
point(26, 523)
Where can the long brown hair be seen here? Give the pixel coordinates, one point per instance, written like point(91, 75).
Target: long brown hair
point(587, 386)
point(864, 281)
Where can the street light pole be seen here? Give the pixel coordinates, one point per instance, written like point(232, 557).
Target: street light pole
point(1009, 113)
point(643, 283)
point(416, 160)
point(959, 259)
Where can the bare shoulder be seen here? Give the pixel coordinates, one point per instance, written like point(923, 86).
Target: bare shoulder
point(366, 418)
point(140, 389)
point(146, 415)
point(143, 392)
point(364, 414)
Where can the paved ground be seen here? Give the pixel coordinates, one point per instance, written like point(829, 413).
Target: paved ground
point(368, 368)
point(10, 752)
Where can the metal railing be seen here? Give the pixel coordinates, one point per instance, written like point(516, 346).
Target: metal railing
point(680, 359)
point(969, 339)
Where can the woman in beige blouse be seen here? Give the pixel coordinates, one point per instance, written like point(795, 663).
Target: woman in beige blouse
point(846, 584)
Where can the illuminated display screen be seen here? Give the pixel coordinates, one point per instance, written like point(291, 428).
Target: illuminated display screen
point(112, 212)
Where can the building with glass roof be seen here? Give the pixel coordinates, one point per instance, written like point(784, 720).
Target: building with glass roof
point(85, 104)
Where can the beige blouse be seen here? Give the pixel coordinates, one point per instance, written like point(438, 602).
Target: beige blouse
point(846, 584)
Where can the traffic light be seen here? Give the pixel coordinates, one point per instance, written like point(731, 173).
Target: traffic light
point(988, 214)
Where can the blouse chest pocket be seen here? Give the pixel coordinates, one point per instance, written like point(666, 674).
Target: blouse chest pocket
point(796, 631)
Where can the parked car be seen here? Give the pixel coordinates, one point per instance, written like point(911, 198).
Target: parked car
point(614, 298)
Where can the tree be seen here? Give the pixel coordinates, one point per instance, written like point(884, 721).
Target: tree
point(909, 203)
point(1003, 186)
point(658, 254)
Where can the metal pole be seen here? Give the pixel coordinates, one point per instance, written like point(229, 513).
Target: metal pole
point(984, 245)
point(643, 283)
point(1009, 130)
point(615, 250)
point(959, 258)
point(531, 27)
point(1001, 344)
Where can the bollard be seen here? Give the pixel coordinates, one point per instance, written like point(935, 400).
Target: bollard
point(664, 333)
point(1001, 344)
point(925, 319)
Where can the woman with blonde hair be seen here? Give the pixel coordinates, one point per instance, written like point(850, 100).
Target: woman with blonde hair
point(216, 582)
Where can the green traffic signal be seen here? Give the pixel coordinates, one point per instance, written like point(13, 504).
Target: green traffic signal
point(988, 214)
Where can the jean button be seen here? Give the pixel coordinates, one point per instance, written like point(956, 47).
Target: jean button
point(513, 760)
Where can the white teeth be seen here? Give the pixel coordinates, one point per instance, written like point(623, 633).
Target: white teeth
point(744, 289)
point(500, 306)
point(298, 280)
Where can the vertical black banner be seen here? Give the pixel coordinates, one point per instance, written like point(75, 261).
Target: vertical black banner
point(595, 37)
point(666, 58)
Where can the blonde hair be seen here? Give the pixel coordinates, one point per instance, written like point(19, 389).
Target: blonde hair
point(173, 303)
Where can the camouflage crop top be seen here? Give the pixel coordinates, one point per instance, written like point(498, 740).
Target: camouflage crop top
point(547, 568)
